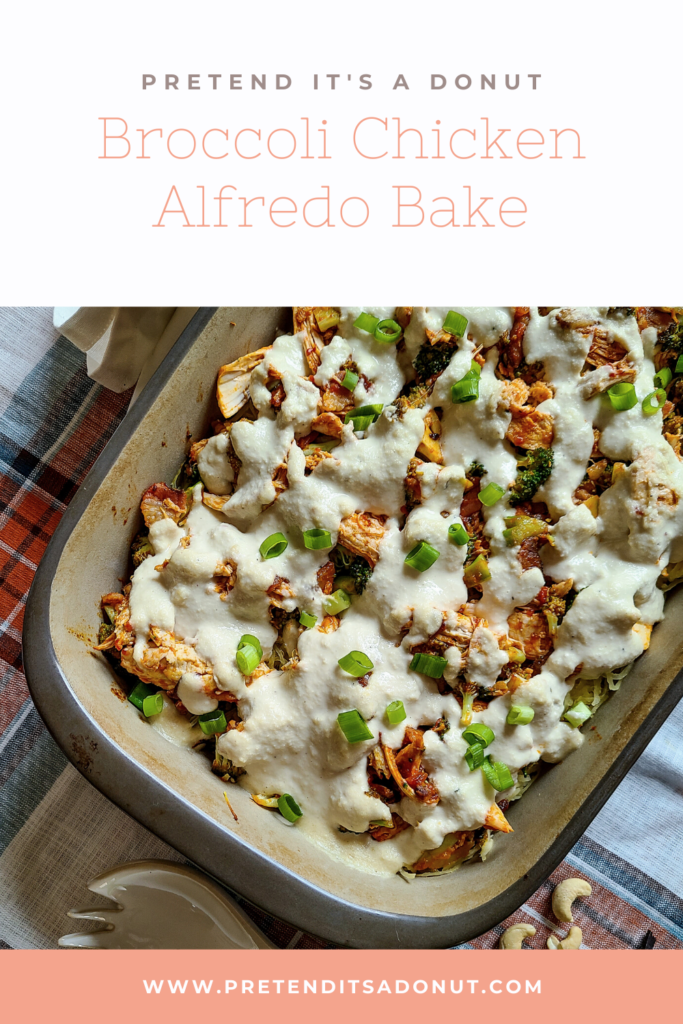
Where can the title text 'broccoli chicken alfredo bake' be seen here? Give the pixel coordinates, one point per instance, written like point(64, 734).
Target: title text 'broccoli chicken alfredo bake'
point(420, 549)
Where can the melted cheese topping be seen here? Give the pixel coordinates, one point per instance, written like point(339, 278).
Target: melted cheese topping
point(290, 741)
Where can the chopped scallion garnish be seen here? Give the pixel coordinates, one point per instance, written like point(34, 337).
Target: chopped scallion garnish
point(465, 390)
point(249, 640)
point(273, 546)
point(474, 755)
point(307, 620)
point(153, 705)
point(247, 658)
point(578, 714)
point(337, 602)
point(354, 726)
point(479, 733)
point(491, 494)
point(622, 396)
point(139, 694)
point(653, 402)
point(364, 410)
point(213, 722)
point(663, 377)
point(457, 534)
point(679, 365)
point(366, 322)
point(395, 712)
point(317, 540)
point(431, 665)
point(455, 324)
point(387, 331)
point(422, 556)
point(356, 663)
point(350, 380)
point(520, 714)
point(498, 774)
point(289, 808)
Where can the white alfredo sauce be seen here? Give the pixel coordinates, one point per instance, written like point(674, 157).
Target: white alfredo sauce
point(291, 742)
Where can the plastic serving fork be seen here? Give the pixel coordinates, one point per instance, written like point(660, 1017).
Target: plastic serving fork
point(162, 905)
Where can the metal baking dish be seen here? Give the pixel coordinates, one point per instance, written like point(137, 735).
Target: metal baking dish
point(170, 790)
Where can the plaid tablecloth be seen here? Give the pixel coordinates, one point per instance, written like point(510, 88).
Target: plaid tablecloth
point(57, 831)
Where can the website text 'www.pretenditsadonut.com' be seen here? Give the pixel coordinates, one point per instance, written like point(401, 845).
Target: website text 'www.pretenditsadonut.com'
point(345, 987)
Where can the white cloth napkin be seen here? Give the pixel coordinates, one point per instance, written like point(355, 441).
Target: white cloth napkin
point(123, 345)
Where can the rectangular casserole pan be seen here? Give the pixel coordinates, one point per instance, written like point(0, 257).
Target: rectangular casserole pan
point(172, 792)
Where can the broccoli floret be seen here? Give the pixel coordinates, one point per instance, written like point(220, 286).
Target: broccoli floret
point(532, 472)
point(432, 360)
point(355, 566)
point(621, 311)
point(187, 476)
point(140, 548)
point(672, 338)
point(360, 572)
point(104, 632)
point(475, 470)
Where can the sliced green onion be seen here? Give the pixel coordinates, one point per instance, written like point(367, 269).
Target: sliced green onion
point(663, 377)
point(273, 545)
point(139, 694)
point(475, 757)
point(387, 331)
point(498, 774)
point(153, 705)
point(364, 410)
point(622, 396)
point(337, 602)
point(350, 380)
point(249, 640)
point(465, 390)
point(520, 714)
point(477, 572)
point(247, 659)
point(431, 665)
point(479, 733)
point(361, 423)
point(213, 722)
point(491, 494)
point(457, 534)
point(422, 556)
point(653, 402)
point(455, 324)
point(289, 808)
point(354, 726)
point(578, 714)
point(324, 446)
point(110, 613)
point(308, 620)
point(679, 365)
point(317, 540)
point(366, 322)
point(474, 370)
point(356, 664)
point(395, 712)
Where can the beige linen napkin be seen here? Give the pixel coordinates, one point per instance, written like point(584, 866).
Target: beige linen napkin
point(123, 345)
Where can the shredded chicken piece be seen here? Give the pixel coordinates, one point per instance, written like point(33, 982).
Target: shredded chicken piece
point(530, 428)
point(407, 771)
point(329, 424)
point(361, 534)
point(162, 502)
point(455, 847)
point(380, 833)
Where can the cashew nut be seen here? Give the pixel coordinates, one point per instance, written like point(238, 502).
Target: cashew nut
point(514, 936)
point(565, 894)
point(572, 941)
